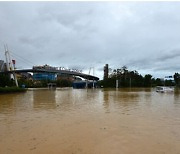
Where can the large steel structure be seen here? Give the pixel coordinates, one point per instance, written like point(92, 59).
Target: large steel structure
point(10, 65)
point(85, 76)
point(10, 69)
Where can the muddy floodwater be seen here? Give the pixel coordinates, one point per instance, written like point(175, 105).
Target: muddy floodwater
point(90, 121)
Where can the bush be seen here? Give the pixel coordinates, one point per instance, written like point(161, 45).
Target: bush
point(11, 89)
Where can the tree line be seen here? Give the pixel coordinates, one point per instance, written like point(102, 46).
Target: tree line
point(128, 78)
point(5, 81)
point(125, 77)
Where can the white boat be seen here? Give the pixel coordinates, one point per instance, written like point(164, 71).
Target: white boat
point(163, 89)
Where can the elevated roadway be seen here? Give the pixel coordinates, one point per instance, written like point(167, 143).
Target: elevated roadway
point(63, 72)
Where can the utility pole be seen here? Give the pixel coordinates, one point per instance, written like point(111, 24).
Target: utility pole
point(106, 71)
point(117, 82)
point(93, 75)
point(93, 78)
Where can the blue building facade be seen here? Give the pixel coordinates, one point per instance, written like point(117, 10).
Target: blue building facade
point(82, 84)
point(44, 76)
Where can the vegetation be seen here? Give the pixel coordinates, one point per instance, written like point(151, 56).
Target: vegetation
point(64, 83)
point(8, 85)
point(29, 83)
point(43, 83)
point(5, 81)
point(11, 89)
point(177, 79)
point(128, 78)
point(125, 78)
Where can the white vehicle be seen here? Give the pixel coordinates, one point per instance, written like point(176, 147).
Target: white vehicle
point(163, 89)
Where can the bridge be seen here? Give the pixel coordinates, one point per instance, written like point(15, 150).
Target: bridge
point(10, 66)
point(61, 72)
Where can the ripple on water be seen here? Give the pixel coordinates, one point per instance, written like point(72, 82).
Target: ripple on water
point(93, 121)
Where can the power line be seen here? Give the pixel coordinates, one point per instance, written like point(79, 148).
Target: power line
point(2, 44)
point(22, 59)
point(16, 55)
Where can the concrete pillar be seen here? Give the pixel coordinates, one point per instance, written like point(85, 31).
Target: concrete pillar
point(117, 84)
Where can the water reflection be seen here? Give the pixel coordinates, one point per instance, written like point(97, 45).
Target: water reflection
point(120, 98)
point(90, 121)
point(75, 99)
point(106, 101)
point(6, 102)
point(177, 96)
point(44, 99)
point(12, 103)
point(64, 99)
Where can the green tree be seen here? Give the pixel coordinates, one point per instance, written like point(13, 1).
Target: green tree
point(169, 83)
point(6, 81)
point(63, 83)
point(147, 80)
point(177, 79)
point(159, 82)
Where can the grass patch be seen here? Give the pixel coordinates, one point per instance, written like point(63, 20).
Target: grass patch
point(11, 89)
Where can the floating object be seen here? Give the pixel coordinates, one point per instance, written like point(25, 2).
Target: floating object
point(163, 89)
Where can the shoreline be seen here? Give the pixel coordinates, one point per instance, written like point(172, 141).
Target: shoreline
point(7, 90)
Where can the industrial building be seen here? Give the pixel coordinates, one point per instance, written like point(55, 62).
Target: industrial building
point(106, 71)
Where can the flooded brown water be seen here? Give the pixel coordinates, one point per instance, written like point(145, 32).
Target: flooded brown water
point(93, 121)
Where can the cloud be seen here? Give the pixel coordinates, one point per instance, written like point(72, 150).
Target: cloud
point(170, 55)
point(141, 35)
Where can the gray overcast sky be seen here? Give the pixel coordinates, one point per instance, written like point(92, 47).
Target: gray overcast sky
point(144, 36)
